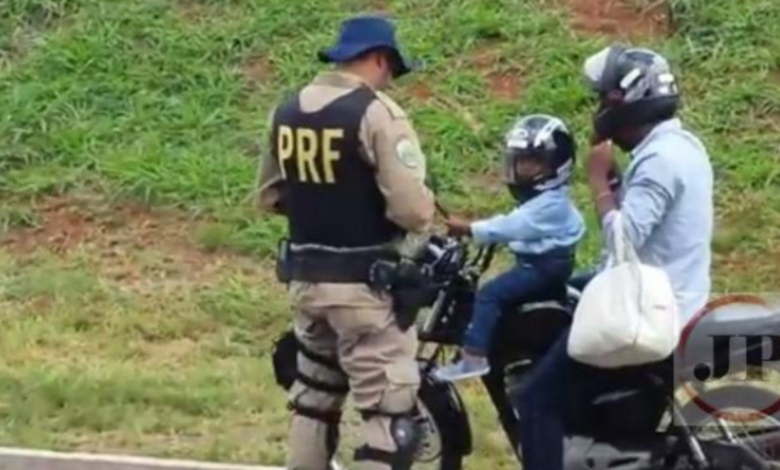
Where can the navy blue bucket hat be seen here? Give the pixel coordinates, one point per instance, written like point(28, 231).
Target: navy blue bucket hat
point(364, 33)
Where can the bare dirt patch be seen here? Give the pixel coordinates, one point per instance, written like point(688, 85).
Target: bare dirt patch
point(623, 19)
point(505, 85)
point(422, 91)
point(191, 10)
point(256, 70)
point(66, 223)
point(379, 6)
point(130, 243)
point(504, 80)
point(486, 57)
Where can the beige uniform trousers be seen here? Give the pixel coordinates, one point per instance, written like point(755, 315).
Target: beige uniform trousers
point(355, 326)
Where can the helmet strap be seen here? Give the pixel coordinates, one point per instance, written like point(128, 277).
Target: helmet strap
point(523, 193)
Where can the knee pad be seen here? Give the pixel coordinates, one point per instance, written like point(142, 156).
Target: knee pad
point(407, 434)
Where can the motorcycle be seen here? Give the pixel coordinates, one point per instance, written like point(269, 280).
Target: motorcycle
point(639, 425)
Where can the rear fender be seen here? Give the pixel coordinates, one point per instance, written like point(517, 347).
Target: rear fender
point(445, 404)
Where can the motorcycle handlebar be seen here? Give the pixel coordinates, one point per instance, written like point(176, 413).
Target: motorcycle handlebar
point(446, 249)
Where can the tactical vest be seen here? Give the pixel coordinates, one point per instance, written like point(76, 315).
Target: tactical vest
point(331, 196)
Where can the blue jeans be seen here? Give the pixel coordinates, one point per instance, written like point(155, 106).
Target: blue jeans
point(544, 404)
point(529, 275)
point(559, 390)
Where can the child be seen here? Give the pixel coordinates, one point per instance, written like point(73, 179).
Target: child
point(542, 232)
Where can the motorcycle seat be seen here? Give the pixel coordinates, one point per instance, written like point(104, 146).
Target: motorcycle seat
point(532, 325)
point(555, 297)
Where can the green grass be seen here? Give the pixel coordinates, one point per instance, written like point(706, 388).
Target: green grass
point(150, 344)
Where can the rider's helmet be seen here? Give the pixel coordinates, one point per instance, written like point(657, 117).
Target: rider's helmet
point(539, 155)
point(635, 87)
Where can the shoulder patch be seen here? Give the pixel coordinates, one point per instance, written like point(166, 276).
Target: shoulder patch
point(395, 111)
point(409, 154)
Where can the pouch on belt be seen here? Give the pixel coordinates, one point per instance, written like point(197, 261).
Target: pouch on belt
point(408, 284)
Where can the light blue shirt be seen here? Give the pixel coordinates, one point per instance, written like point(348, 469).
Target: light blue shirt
point(667, 208)
point(543, 223)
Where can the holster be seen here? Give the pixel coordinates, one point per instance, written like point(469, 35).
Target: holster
point(409, 286)
point(284, 357)
point(407, 304)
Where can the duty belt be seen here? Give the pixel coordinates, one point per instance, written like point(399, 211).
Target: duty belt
point(314, 265)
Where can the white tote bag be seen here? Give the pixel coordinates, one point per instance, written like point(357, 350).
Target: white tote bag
point(628, 314)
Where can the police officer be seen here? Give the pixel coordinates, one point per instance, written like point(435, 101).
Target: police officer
point(347, 171)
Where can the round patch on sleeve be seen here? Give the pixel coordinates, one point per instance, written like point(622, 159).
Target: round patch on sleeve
point(408, 153)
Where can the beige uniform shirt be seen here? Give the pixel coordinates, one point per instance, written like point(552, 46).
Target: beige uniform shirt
point(389, 144)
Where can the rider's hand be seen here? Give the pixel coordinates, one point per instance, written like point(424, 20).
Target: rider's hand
point(596, 139)
point(458, 227)
point(615, 178)
point(601, 160)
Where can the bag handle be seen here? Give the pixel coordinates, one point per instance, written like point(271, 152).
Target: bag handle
point(622, 248)
point(624, 252)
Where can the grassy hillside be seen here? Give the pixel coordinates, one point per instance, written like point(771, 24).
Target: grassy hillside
point(135, 294)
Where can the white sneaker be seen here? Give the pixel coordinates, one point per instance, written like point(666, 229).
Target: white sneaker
point(463, 369)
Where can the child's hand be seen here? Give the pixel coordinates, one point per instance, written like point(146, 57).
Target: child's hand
point(458, 227)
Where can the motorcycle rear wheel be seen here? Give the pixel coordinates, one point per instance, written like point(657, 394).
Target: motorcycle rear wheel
point(761, 435)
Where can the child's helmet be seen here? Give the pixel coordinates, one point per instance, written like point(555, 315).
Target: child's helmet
point(544, 139)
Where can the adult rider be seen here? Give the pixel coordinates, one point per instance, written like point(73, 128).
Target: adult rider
point(666, 204)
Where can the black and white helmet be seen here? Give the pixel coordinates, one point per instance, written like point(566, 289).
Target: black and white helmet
point(636, 87)
point(545, 139)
